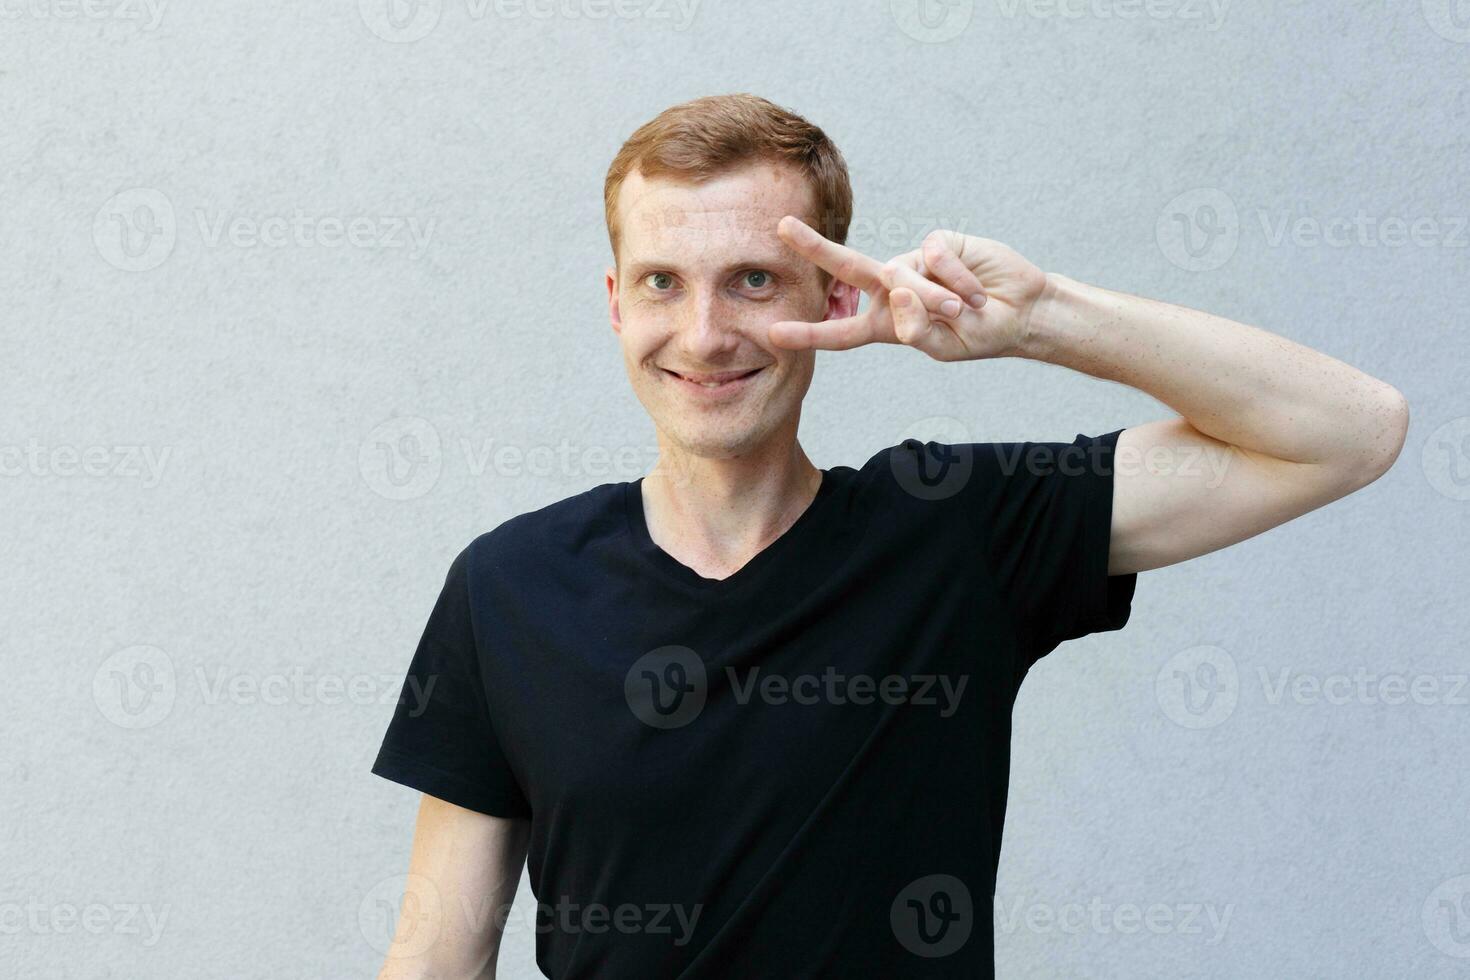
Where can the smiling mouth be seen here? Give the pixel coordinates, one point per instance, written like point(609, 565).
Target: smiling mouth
point(715, 382)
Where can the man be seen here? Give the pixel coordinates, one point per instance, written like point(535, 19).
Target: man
point(745, 717)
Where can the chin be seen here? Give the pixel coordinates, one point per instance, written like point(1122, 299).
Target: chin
point(720, 441)
point(717, 445)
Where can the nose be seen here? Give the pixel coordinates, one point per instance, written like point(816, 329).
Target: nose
point(707, 329)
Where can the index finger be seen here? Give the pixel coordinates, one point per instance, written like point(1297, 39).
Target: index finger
point(847, 264)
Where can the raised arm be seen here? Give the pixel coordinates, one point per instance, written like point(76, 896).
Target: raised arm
point(463, 874)
point(1267, 430)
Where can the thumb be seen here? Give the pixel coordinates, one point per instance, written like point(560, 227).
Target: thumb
point(911, 323)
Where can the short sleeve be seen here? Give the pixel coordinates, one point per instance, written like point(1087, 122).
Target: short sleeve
point(1046, 510)
point(440, 740)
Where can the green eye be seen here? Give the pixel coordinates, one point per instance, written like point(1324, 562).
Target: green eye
point(764, 278)
point(660, 280)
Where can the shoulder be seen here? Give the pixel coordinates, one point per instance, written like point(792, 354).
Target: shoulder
point(923, 472)
point(987, 463)
point(979, 478)
point(563, 527)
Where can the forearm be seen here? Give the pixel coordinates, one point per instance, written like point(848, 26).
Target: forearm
point(1236, 383)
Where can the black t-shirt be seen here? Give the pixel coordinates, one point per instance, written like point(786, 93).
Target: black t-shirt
point(796, 771)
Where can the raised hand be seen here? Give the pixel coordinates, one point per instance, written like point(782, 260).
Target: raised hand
point(956, 298)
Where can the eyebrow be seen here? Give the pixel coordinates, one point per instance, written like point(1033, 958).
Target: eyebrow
point(639, 268)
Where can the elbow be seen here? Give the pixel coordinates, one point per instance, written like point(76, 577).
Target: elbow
point(1383, 437)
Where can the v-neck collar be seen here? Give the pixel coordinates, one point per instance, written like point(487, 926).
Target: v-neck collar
point(671, 568)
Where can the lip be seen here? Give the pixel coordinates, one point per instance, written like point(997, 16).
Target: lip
point(725, 383)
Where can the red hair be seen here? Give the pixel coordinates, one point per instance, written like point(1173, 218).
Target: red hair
point(704, 137)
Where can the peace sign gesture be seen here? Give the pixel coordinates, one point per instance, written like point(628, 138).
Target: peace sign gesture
point(956, 298)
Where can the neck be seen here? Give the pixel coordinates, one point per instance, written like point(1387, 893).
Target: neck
point(714, 515)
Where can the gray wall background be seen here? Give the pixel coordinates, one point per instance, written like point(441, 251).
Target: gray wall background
point(213, 580)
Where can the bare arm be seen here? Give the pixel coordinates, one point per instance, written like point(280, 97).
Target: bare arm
point(1267, 430)
point(463, 874)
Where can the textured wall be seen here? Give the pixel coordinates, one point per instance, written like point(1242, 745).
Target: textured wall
point(253, 252)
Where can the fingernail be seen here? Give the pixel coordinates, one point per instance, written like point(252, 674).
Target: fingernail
point(950, 307)
point(977, 300)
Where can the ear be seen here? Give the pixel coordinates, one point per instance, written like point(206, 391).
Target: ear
point(842, 300)
point(612, 301)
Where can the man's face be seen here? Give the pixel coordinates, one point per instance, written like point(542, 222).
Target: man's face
point(701, 277)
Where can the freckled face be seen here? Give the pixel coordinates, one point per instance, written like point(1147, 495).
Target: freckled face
point(701, 276)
